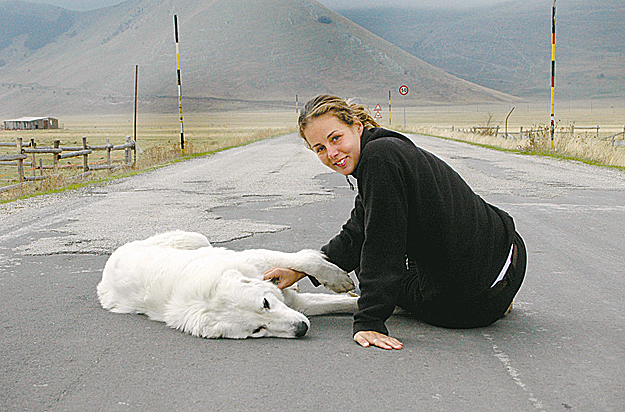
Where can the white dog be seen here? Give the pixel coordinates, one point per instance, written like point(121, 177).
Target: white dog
point(180, 279)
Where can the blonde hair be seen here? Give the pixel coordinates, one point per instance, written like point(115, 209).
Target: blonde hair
point(344, 110)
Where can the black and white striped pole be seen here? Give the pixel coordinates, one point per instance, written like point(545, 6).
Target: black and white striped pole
point(179, 83)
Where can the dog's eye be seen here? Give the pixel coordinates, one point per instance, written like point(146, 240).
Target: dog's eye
point(266, 304)
point(257, 330)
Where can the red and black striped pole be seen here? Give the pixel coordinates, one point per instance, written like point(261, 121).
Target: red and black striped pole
point(179, 86)
point(553, 71)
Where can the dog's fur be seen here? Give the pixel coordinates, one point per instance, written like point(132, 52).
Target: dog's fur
point(180, 279)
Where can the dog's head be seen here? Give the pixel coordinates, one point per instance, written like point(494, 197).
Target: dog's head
point(238, 307)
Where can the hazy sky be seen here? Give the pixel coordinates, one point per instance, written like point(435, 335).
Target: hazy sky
point(333, 4)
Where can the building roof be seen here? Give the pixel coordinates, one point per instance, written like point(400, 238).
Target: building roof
point(29, 119)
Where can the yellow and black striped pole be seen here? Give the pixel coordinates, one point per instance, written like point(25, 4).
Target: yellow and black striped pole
point(179, 84)
point(553, 71)
point(135, 118)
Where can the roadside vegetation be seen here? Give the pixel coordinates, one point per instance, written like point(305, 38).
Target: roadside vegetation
point(582, 147)
point(158, 144)
point(158, 139)
point(584, 144)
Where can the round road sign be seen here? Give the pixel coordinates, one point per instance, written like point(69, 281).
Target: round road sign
point(403, 90)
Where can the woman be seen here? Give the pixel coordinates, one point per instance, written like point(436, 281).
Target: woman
point(418, 236)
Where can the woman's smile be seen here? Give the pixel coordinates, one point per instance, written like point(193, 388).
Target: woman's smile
point(341, 163)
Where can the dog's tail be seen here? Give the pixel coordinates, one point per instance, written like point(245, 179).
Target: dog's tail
point(179, 240)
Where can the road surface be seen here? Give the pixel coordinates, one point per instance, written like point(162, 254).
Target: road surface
point(561, 348)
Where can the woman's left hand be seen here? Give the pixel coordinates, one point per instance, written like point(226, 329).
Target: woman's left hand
point(368, 338)
point(283, 277)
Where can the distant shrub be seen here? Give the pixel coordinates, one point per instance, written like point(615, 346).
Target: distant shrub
point(324, 20)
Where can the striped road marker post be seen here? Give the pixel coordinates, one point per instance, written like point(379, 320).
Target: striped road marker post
point(553, 71)
point(179, 85)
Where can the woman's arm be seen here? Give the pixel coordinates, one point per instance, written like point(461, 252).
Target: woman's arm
point(383, 256)
point(344, 249)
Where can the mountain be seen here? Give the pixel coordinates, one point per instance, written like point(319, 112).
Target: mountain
point(507, 47)
point(25, 28)
point(231, 51)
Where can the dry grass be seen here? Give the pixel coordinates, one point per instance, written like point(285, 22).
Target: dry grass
point(583, 145)
point(579, 147)
point(158, 141)
point(158, 136)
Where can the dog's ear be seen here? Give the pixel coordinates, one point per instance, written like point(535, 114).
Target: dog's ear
point(275, 281)
point(232, 275)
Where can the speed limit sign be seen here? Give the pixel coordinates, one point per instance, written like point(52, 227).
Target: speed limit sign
point(403, 90)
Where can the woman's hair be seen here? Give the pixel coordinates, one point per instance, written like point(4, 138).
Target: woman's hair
point(343, 110)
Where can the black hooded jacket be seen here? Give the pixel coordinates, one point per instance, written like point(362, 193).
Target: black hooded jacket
point(412, 204)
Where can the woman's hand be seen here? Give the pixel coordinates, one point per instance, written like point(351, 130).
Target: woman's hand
point(282, 277)
point(368, 338)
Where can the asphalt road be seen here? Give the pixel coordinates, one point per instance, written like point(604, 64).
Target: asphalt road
point(562, 347)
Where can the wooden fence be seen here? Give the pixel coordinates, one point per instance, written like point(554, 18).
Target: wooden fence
point(615, 139)
point(30, 151)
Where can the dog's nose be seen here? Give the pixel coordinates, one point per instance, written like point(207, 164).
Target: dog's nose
point(301, 329)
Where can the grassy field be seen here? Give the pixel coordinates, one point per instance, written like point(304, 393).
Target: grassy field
point(158, 136)
point(534, 119)
point(158, 141)
point(202, 132)
point(608, 114)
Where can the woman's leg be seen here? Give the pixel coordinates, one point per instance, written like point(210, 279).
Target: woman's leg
point(477, 312)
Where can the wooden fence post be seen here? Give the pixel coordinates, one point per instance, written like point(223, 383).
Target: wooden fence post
point(85, 158)
point(33, 145)
point(20, 162)
point(55, 156)
point(108, 153)
point(128, 157)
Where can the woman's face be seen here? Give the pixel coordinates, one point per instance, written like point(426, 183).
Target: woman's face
point(337, 145)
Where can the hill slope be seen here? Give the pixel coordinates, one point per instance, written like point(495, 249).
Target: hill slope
point(508, 47)
point(231, 50)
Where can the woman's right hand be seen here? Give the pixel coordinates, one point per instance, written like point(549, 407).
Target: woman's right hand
point(371, 338)
point(283, 277)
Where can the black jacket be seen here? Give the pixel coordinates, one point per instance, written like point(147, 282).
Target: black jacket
point(412, 204)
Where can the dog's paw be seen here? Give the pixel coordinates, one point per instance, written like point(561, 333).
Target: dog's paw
point(340, 284)
point(327, 273)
